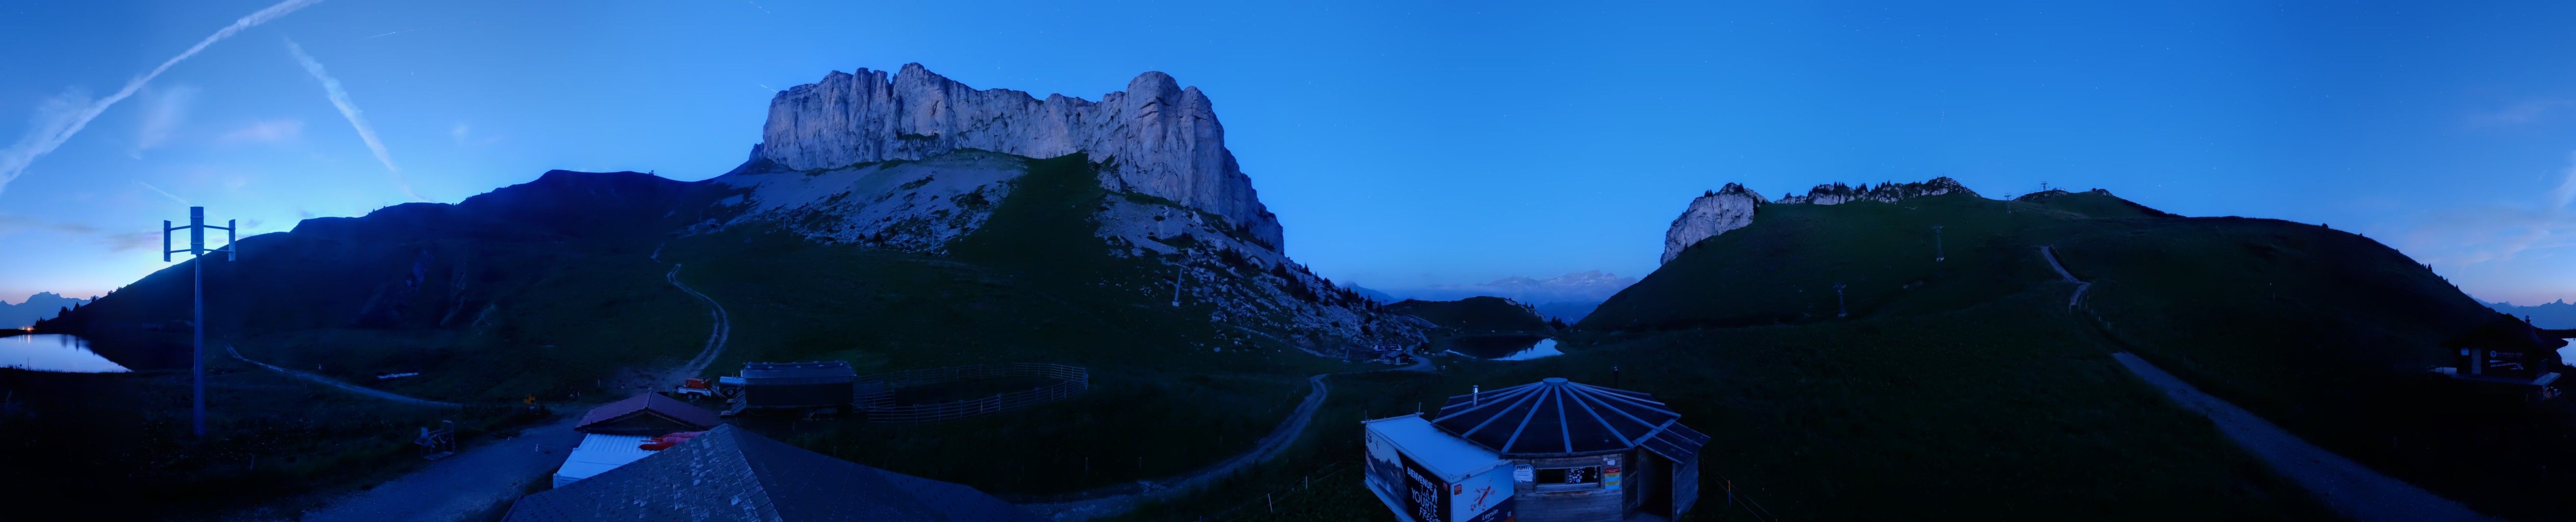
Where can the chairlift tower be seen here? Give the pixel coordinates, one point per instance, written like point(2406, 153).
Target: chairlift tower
point(197, 247)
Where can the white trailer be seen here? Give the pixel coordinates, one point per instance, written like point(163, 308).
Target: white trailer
point(1427, 475)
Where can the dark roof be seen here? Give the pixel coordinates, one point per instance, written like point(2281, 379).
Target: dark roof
point(650, 404)
point(2506, 333)
point(825, 372)
point(731, 474)
point(1556, 417)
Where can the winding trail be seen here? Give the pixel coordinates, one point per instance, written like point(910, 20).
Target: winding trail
point(2080, 285)
point(475, 480)
point(2350, 489)
point(1116, 500)
point(715, 338)
point(335, 383)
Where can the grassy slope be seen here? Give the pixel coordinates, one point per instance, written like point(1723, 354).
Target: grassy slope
point(2327, 334)
point(1032, 285)
point(1475, 314)
point(1783, 268)
point(294, 299)
point(544, 335)
point(1847, 421)
point(2322, 331)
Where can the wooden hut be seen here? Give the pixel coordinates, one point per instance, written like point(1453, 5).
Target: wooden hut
point(1574, 452)
point(613, 433)
point(2512, 354)
point(647, 414)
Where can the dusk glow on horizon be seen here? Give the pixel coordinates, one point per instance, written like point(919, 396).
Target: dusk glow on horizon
point(1401, 147)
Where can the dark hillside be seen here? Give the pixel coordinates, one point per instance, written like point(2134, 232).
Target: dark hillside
point(2325, 332)
point(511, 281)
point(2096, 203)
point(2328, 334)
point(1783, 267)
point(1032, 285)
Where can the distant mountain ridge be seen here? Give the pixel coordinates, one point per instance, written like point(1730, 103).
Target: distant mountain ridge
point(42, 305)
point(2558, 314)
point(1568, 297)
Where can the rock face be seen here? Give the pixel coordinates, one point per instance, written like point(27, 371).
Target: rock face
point(1713, 213)
point(1733, 207)
point(1161, 139)
point(1885, 193)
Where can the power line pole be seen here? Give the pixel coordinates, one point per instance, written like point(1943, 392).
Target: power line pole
point(197, 247)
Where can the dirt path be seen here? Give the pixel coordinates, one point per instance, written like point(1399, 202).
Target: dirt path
point(2080, 285)
point(335, 383)
point(715, 338)
point(1116, 500)
point(2354, 491)
point(2347, 487)
point(473, 481)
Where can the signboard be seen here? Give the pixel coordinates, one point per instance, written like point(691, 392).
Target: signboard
point(1425, 497)
point(1484, 497)
point(1385, 473)
point(1610, 474)
point(1523, 473)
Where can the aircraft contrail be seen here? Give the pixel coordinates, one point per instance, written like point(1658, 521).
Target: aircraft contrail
point(58, 121)
point(348, 109)
point(173, 197)
point(391, 34)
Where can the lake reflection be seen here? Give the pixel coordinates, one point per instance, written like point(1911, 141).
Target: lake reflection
point(54, 353)
point(1505, 347)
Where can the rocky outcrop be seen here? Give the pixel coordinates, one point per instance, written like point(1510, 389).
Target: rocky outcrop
point(1733, 207)
point(1715, 212)
point(1158, 138)
point(1885, 192)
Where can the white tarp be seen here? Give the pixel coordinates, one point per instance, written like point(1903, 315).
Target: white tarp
point(598, 453)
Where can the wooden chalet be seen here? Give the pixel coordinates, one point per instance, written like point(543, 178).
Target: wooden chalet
point(647, 414)
point(2510, 353)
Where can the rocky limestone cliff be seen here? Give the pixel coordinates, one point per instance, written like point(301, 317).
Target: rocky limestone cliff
point(1161, 139)
point(1733, 207)
point(1715, 212)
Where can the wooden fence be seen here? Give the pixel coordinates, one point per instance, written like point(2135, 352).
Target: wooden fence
point(875, 392)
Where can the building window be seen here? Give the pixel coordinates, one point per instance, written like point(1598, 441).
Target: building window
point(1568, 479)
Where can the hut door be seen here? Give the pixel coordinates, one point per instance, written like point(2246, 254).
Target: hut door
point(1658, 496)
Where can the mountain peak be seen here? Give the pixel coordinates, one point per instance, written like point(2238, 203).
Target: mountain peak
point(1158, 138)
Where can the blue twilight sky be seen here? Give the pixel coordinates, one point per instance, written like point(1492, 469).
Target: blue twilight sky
point(1402, 145)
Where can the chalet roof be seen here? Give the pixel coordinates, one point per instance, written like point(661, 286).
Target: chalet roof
point(824, 372)
point(730, 474)
point(1557, 417)
point(2506, 333)
point(650, 404)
